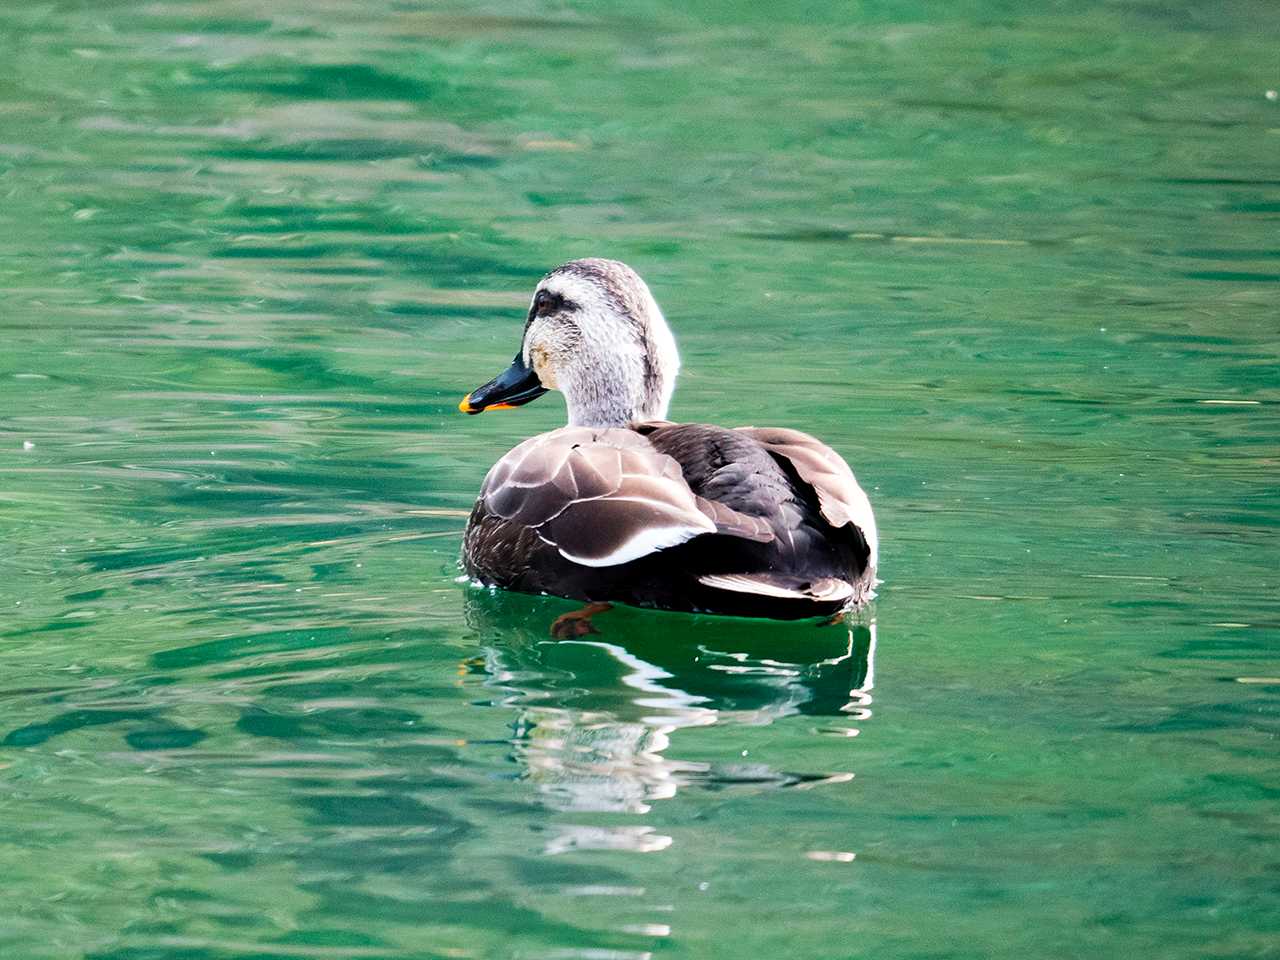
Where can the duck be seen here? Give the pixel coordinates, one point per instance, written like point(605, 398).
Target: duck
point(622, 505)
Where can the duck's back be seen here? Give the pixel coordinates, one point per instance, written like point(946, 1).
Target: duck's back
point(733, 468)
point(679, 516)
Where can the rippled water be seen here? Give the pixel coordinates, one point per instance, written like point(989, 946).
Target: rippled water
point(1018, 263)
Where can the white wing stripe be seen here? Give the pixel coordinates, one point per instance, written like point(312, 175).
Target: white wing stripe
point(647, 541)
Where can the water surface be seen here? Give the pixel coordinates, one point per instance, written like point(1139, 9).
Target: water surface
point(1018, 263)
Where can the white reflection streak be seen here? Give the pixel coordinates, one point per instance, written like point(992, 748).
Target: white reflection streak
point(860, 696)
point(581, 837)
point(589, 761)
point(870, 680)
point(644, 677)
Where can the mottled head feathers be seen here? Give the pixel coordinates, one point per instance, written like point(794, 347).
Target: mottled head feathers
point(596, 334)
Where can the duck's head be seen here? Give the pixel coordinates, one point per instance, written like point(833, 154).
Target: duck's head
point(595, 334)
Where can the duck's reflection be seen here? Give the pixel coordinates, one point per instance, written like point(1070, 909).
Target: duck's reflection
point(595, 717)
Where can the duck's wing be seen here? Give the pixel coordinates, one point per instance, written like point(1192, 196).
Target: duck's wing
point(604, 497)
point(840, 500)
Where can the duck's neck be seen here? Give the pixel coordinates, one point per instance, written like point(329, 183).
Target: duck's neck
point(618, 391)
point(601, 414)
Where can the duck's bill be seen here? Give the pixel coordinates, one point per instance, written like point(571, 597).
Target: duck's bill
point(514, 387)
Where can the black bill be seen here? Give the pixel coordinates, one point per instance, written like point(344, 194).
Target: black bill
point(514, 387)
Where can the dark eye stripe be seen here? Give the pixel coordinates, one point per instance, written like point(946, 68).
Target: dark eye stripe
point(546, 303)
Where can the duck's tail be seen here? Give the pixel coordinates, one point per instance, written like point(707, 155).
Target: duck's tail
point(791, 596)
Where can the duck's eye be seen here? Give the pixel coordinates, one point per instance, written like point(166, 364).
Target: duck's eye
point(546, 303)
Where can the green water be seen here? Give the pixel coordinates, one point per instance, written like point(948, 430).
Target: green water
point(1019, 263)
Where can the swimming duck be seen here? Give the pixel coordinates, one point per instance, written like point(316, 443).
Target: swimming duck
point(622, 505)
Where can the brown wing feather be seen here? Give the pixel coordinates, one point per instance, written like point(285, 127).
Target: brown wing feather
point(600, 496)
point(734, 523)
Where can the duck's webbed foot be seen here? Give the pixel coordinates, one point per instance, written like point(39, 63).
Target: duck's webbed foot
point(577, 623)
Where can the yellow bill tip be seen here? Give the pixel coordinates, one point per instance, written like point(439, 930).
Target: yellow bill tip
point(466, 406)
